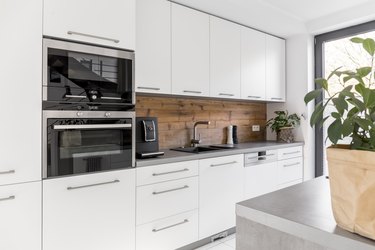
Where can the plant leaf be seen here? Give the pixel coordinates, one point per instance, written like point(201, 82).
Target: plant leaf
point(363, 123)
point(357, 40)
point(362, 72)
point(340, 104)
point(369, 45)
point(347, 127)
point(336, 115)
point(334, 72)
point(323, 83)
point(334, 131)
point(317, 114)
point(312, 95)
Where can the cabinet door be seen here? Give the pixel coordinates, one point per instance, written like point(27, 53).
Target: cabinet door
point(21, 216)
point(220, 188)
point(190, 52)
point(260, 179)
point(153, 42)
point(109, 23)
point(253, 64)
point(275, 69)
point(95, 212)
point(225, 58)
point(21, 101)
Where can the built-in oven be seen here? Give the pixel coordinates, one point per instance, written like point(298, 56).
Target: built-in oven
point(86, 77)
point(78, 142)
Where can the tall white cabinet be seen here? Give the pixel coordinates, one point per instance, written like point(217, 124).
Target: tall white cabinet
point(153, 46)
point(190, 51)
point(225, 58)
point(275, 69)
point(110, 23)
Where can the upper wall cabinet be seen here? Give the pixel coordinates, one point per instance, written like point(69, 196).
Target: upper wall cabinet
point(190, 52)
point(21, 106)
point(275, 69)
point(253, 64)
point(225, 58)
point(153, 46)
point(109, 23)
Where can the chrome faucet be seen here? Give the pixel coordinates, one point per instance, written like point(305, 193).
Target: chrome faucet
point(196, 140)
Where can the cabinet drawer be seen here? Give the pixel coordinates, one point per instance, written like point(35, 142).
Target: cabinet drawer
point(166, 172)
point(170, 233)
point(287, 153)
point(288, 184)
point(290, 170)
point(165, 199)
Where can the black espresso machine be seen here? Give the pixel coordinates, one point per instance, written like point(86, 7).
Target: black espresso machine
point(147, 143)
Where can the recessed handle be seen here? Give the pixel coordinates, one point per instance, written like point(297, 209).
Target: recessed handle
point(223, 164)
point(174, 225)
point(292, 164)
point(8, 172)
point(93, 185)
point(170, 190)
point(225, 94)
point(148, 88)
point(12, 197)
point(171, 172)
point(93, 36)
point(192, 91)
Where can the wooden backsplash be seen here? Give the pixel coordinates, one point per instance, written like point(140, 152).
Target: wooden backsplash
point(176, 117)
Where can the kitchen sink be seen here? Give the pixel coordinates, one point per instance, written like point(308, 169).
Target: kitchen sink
point(196, 150)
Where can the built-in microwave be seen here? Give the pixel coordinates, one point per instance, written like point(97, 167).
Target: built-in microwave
point(81, 142)
point(86, 77)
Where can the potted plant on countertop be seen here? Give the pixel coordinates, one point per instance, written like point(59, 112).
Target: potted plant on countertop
point(351, 167)
point(283, 124)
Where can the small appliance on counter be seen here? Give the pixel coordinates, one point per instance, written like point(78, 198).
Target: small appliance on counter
point(147, 143)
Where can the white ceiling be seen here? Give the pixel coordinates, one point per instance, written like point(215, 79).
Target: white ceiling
point(286, 18)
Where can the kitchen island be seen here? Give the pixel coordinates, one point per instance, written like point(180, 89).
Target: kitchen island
point(295, 218)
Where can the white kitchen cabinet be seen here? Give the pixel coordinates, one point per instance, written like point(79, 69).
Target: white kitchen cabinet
point(225, 58)
point(260, 179)
point(221, 183)
point(109, 23)
point(290, 170)
point(169, 233)
point(190, 52)
point(153, 46)
point(275, 69)
point(95, 211)
point(21, 102)
point(253, 64)
point(21, 216)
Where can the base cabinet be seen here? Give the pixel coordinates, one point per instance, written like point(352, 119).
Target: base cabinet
point(95, 212)
point(260, 179)
point(20, 216)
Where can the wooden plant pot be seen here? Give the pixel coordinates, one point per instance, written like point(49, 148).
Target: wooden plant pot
point(285, 135)
point(352, 182)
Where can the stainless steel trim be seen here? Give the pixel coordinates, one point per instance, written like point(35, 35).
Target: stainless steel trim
point(12, 197)
point(110, 98)
point(171, 172)
point(192, 91)
point(292, 164)
point(223, 164)
point(91, 154)
point(93, 36)
point(76, 96)
point(276, 98)
point(254, 96)
point(174, 225)
point(224, 94)
point(170, 190)
point(96, 126)
point(290, 153)
point(8, 172)
point(149, 88)
point(93, 185)
point(145, 131)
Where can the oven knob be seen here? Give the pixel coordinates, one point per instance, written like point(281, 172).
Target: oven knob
point(107, 114)
point(94, 97)
point(79, 114)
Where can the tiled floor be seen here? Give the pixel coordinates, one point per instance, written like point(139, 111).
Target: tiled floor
point(228, 243)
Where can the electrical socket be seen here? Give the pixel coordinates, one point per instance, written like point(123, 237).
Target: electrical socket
point(256, 128)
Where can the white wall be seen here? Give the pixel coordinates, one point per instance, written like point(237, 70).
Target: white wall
point(300, 80)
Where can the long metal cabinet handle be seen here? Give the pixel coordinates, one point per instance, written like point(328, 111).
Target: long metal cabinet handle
point(96, 126)
point(110, 98)
point(171, 172)
point(225, 94)
point(170, 190)
point(223, 164)
point(93, 36)
point(76, 96)
point(292, 164)
point(150, 88)
point(276, 98)
point(192, 91)
point(8, 198)
point(93, 185)
point(254, 96)
point(8, 172)
point(174, 225)
point(290, 153)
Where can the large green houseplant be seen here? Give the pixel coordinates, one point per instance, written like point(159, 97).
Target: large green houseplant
point(351, 167)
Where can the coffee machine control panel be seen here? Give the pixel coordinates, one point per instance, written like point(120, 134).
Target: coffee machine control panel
point(149, 130)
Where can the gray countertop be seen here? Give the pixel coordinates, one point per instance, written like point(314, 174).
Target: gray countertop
point(176, 156)
point(303, 210)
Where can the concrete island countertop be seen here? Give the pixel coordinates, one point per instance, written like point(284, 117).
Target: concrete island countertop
point(303, 211)
point(171, 156)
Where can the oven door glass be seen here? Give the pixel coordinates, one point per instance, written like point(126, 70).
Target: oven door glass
point(73, 76)
point(76, 146)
